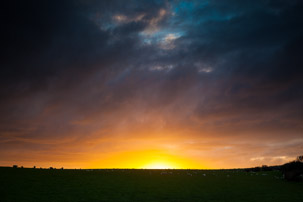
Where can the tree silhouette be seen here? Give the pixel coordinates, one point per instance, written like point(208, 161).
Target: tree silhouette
point(293, 170)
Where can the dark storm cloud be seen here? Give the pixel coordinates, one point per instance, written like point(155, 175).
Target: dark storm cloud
point(70, 68)
point(58, 61)
point(255, 49)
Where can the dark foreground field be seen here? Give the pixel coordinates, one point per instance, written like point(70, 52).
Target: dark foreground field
point(145, 185)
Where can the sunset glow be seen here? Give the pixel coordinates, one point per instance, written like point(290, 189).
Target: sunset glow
point(160, 165)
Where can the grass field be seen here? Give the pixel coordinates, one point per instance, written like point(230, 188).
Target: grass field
point(145, 185)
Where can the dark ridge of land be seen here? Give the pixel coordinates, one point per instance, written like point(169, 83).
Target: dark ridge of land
point(146, 185)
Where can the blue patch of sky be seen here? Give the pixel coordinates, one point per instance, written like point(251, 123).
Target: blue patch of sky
point(197, 12)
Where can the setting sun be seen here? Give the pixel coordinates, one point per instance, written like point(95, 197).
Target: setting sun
point(147, 159)
point(161, 165)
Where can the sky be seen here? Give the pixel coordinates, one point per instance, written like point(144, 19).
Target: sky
point(151, 83)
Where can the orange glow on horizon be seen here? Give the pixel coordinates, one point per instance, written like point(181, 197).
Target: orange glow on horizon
point(146, 159)
point(153, 150)
point(161, 165)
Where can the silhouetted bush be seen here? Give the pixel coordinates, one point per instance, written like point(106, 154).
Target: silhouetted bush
point(15, 166)
point(300, 159)
point(293, 171)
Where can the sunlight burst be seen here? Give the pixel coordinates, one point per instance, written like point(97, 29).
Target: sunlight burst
point(160, 165)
